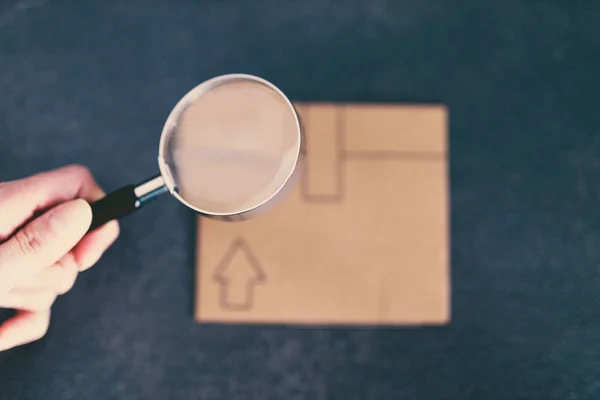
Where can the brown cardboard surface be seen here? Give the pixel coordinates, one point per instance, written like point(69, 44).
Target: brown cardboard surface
point(363, 238)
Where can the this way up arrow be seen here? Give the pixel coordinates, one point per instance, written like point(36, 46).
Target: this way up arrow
point(237, 274)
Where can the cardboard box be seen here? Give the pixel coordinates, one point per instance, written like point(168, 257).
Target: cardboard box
point(362, 240)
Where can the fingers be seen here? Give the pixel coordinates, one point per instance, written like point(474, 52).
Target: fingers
point(59, 278)
point(43, 242)
point(28, 299)
point(23, 328)
point(21, 199)
point(34, 301)
point(89, 250)
point(58, 238)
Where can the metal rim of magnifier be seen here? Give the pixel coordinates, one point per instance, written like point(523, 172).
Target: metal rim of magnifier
point(188, 100)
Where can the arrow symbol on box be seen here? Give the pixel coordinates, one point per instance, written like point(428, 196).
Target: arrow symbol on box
point(237, 274)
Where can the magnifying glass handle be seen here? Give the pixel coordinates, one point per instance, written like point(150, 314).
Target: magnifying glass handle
point(115, 205)
point(125, 201)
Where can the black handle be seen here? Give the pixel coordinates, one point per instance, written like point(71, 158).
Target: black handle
point(115, 205)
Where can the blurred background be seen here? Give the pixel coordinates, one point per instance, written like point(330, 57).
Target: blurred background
point(93, 82)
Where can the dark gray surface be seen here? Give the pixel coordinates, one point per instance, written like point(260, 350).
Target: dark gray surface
point(94, 83)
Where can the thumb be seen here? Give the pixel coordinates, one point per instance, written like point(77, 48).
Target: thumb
point(43, 241)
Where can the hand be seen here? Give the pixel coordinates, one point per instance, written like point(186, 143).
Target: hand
point(41, 257)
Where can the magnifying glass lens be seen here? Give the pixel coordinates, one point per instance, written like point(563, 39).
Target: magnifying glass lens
point(231, 147)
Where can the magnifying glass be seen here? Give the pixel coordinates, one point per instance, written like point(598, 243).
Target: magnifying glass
point(230, 149)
